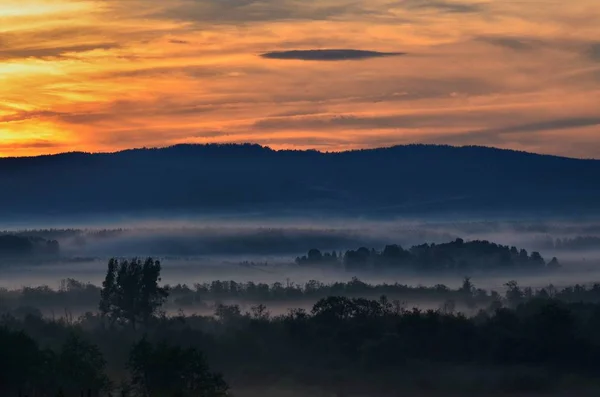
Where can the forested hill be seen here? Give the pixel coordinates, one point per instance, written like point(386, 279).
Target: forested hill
point(249, 178)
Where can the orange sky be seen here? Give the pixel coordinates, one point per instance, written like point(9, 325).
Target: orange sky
point(103, 75)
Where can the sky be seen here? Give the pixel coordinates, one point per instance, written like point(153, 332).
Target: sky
point(105, 75)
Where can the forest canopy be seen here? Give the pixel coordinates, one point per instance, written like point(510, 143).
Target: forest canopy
point(457, 255)
point(15, 246)
point(355, 338)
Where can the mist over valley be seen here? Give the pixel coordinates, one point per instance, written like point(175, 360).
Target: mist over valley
point(360, 270)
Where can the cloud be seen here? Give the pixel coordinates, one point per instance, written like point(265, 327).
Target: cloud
point(513, 43)
point(436, 120)
point(321, 123)
point(33, 144)
point(31, 115)
point(328, 55)
point(556, 124)
point(122, 109)
point(594, 51)
point(485, 71)
point(218, 12)
point(443, 6)
point(51, 52)
point(192, 71)
point(426, 127)
point(495, 136)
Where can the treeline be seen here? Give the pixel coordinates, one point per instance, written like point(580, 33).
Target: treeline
point(579, 243)
point(344, 345)
point(468, 293)
point(73, 294)
point(457, 255)
point(14, 246)
point(53, 234)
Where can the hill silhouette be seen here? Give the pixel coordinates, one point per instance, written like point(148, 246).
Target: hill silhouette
point(205, 179)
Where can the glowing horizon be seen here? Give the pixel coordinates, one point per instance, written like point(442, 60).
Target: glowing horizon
point(108, 75)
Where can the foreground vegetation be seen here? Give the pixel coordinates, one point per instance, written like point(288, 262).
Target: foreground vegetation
point(523, 340)
point(341, 344)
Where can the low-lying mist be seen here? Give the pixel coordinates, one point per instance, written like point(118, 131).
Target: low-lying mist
point(242, 291)
point(251, 250)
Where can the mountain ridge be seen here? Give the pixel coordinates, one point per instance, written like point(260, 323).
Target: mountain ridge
point(204, 179)
point(268, 148)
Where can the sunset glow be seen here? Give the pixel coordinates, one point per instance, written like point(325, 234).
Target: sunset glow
point(104, 75)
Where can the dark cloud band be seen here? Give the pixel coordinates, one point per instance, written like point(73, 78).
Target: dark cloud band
point(328, 55)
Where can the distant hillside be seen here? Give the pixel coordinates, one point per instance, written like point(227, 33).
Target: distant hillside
point(205, 179)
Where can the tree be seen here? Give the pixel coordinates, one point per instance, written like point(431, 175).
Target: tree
point(357, 260)
point(393, 255)
point(553, 264)
point(514, 295)
point(536, 259)
point(130, 291)
point(467, 291)
point(523, 256)
point(171, 370)
point(76, 367)
point(260, 312)
point(80, 366)
point(314, 256)
point(20, 361)
point(228, 313)
point(467, 287)
point(109, 292)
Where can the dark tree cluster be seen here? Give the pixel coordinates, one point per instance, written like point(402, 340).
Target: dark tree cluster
point(25, 368)
point(454, 256)
point(164, 370)
point(354, 339)
point(13, 246)
point(313, 290)
point(316, 257)
point(579, 243)
point(360, 344)
point(74, 294)
point(130, 292)
point(527, 341)
point(78, 368)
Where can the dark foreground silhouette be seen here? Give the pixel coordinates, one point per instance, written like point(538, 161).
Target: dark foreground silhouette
point(521, 342)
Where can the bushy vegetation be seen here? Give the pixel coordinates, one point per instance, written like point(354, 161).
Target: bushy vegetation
point(351, 343)
point(75, 366)
point(454, 256)
point(74, 294)
point(14, 246)
point(523, 340)
point(78, 366)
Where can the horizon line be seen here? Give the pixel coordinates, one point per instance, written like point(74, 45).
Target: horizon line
point(264, 146)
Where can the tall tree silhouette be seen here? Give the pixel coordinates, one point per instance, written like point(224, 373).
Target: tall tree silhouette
point(130, 291)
